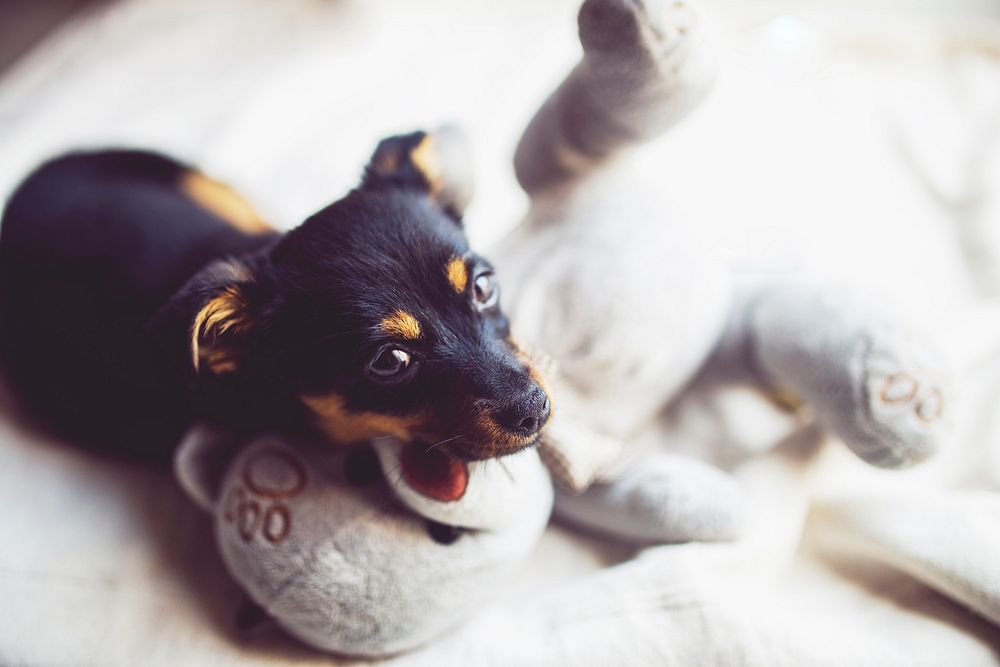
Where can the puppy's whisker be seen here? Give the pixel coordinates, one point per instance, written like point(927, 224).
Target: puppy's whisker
point(446, 440)
point(505, 469)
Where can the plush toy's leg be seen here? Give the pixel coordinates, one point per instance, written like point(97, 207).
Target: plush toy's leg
point(864, 375)
point(644, 67)
point(662, 499)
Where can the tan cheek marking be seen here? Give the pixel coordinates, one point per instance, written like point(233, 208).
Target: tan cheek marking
point(424, 158)
point(487, 426)
point(401, 324)
point(497, 434)
point(219, 199)
point(458, 276)
point(222, 314)
point(343, 426)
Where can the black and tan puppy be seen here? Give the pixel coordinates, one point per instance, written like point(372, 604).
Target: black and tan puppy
point(137, 295)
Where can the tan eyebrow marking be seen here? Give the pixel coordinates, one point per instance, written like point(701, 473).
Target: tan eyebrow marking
point(457, 275)
point(401, 324)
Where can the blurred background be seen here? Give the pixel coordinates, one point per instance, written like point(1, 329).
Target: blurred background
point(855, 137)
point(827, 114)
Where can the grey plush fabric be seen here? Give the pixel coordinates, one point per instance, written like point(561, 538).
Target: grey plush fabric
point(346, 567)
point(636, 308)
point(663, 499)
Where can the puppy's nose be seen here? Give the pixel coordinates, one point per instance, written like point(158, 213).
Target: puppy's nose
point(527, 415)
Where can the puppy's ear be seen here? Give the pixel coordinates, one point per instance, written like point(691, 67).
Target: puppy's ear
point(437, 164)
point(215, 315)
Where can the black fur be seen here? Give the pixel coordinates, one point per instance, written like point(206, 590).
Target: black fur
point(105, 265)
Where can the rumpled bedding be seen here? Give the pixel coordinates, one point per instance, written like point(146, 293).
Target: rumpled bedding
point(865, 145)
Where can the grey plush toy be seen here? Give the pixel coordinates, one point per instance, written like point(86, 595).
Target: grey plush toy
point(318, 536)
point(641, 316)
point(352, 557)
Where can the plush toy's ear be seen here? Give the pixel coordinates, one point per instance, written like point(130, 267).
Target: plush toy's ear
point(215, 315)
point(200, 461)
point(437, 164)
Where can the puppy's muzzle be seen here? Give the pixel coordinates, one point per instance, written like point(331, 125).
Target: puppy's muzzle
point(525, 416)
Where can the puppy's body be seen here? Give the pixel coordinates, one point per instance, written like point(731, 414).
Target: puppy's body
point(137, 295)
point(93, 246)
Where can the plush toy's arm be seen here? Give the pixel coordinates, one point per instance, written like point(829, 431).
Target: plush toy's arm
point(617, 488)
point(664, 499)
point(644, 66)
point(868, 378)
point(577, 455)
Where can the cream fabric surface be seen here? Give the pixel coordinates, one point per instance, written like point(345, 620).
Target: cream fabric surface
point(859, 144)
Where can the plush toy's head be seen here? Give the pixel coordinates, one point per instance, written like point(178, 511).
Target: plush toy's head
point(319, 538)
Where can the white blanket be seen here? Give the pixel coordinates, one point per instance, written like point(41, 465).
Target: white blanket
point(843, 141)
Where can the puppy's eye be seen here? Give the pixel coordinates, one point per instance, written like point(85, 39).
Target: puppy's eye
point(390, 364)
point(485, 290)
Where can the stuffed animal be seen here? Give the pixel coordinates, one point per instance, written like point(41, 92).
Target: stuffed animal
point(319, 540)
point(376, 550)
point(641, 316)
point(371, 555)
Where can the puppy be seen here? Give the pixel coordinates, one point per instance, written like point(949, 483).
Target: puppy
point(137, 295)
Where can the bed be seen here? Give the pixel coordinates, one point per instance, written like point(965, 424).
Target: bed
point(836, 132)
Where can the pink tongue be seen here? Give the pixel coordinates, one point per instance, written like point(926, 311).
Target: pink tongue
point(434, 474)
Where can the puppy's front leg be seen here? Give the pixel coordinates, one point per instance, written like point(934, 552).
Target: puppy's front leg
point(645, 65)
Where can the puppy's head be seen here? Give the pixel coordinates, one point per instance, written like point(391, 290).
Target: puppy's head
point(376, 317)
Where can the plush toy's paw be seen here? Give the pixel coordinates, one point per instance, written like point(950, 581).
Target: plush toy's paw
point(648, 29)
point(866, 375)
point(646, 64)
point(900, 419)
point(661, 499)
